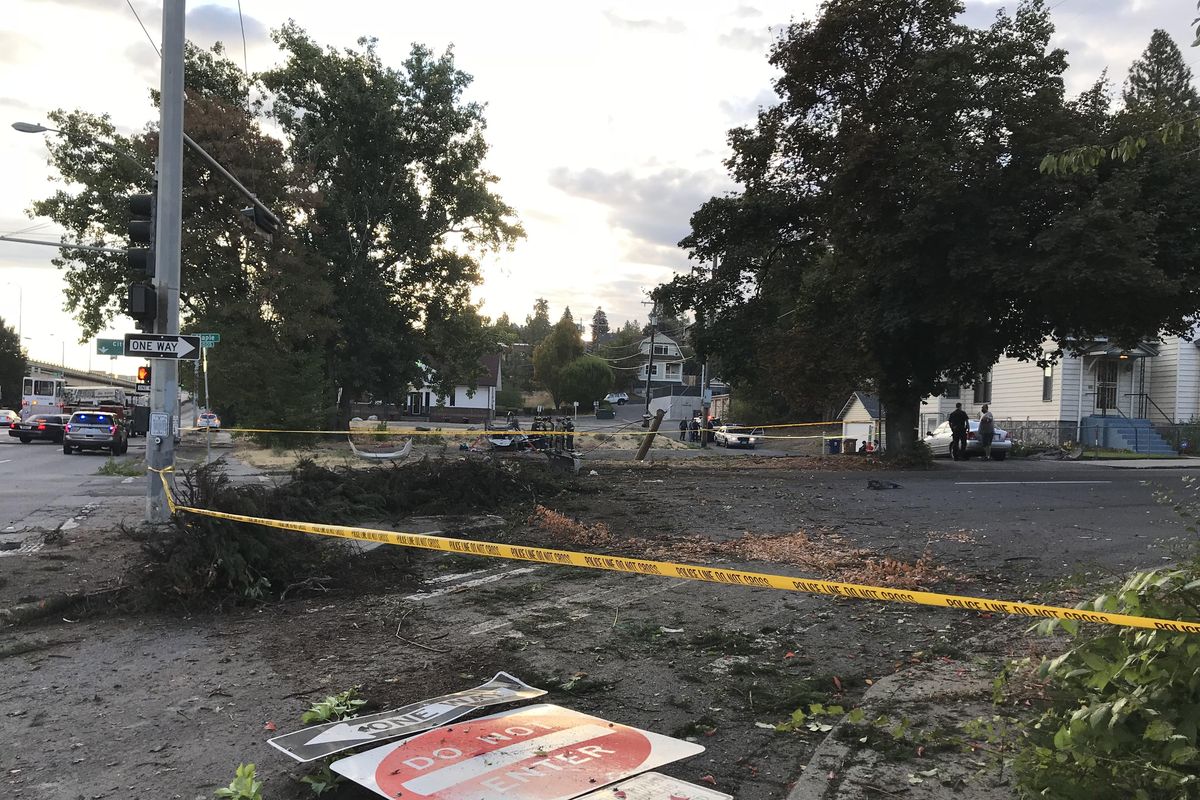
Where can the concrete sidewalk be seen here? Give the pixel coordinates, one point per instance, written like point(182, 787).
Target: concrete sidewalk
point(1183, 462)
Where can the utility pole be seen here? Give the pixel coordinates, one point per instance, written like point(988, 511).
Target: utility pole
point(650, 364)
point(164, 378)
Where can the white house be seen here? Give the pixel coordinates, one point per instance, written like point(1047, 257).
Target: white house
point(1106, 395)
point(862, 418)
point(463, 403)
point(666, 368)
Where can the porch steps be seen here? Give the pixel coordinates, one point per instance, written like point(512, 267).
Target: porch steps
point(1122, 433)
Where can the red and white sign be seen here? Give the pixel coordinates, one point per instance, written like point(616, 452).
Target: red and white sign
point(543, 752)
point(655, 786)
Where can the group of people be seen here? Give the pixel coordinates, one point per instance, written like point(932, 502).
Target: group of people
point(690, 431)
point(960, 427)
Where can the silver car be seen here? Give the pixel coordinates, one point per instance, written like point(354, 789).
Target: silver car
point(737, 436)
point(939, 440)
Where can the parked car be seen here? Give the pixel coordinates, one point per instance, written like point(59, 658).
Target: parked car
point(939, 440)
point(8, 417)
point(95, 430)
point(737, 436)
point(617, 398)
point(48, 427)
point(209, 420)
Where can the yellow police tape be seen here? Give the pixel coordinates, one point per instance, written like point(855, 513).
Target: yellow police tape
point(666, 569)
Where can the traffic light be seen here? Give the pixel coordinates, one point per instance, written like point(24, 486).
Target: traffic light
point(265, 224)
point(143, 375)
point(142, 301)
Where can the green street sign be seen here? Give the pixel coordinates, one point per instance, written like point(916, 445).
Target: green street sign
point(207, 340)
point(110, 347)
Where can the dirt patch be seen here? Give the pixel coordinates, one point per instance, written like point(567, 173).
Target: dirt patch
point(828, 555)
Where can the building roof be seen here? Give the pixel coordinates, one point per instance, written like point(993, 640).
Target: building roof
point(869, 401)
point(491, 366)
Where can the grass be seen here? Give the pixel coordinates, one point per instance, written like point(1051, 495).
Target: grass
point(124, 468)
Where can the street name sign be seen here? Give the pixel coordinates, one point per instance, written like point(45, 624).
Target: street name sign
point(161, 345)
point(655, 786)
point(207, 340)
point(110, 347)
point(319, 741)
point(542, 752)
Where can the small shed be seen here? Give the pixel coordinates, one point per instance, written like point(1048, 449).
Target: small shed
point(861, 417)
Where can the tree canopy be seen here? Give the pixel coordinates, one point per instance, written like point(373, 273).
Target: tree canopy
point(560, 348)
point(585, 380)
point(12, 366)
point(379, 180)
point(893, 228)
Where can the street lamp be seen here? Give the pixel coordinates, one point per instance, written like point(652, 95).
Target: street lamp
point(32, 127)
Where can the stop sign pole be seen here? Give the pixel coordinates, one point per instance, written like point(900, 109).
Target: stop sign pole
point(164, 378)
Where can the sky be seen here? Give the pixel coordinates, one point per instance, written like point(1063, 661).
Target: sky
point(607, 121)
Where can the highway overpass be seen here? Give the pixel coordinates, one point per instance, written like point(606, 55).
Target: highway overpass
point(78, 377)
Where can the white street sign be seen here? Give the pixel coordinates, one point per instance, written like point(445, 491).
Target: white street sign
point(160, 423)
point(542, 752)
point(319, 741)
point(655, 786)
point(161, 345)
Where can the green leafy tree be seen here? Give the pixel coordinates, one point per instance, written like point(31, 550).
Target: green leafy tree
point(538, 325)
point(600, 330)
point(407, 205)
point(12, 366)
point(585, 380)
point(893, 193)
point(262, 297)
point(560, 348)
point(1159, 81)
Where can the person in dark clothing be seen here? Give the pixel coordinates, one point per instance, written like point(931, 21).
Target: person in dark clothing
point(683, 427)
point(959, 423)
point(695, 429)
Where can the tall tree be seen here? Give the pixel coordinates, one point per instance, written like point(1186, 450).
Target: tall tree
point(12, 366)
point(397, 157)
point(599, 327)
point(560, 348)
point(1159, 82)
point(538, 325)
point(263, 298)
point(585, 380)
point(893, 196)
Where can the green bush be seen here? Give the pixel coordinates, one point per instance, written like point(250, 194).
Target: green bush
point(1124, 720)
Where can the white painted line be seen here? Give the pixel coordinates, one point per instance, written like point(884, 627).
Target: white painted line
point(471, 584)
point(1023, 483)
point(5, 461)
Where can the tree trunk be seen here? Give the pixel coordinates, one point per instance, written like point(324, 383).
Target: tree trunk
point(902, 413)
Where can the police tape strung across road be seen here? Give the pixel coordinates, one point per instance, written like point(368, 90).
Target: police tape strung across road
point(666, 569)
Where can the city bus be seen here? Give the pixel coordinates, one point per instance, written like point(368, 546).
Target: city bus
point(42, 394)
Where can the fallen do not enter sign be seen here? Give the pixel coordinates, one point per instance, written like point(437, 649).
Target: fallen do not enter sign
point(543, 752)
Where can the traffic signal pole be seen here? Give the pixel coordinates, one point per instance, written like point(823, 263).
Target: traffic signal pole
point(164, 378)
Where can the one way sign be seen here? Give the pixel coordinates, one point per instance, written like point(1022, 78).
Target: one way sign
point(161, 345)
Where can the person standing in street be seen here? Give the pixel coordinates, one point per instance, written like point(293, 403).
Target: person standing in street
point(959, 423)
point(987, 430)
point(683, 429)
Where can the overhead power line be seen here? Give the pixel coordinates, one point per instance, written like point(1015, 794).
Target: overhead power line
point(149, 38)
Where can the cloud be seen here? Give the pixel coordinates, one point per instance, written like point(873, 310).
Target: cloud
point(20, 105)
point(747, 12)
point(745, 110)
point(667, 25)
point(16, 48)
point(211, 23)
point(745, 39)
point(653, 210)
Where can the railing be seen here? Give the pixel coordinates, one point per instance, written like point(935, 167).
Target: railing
point(1148, 399)
point(1033, 438)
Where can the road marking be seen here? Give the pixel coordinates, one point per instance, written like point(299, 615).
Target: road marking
point(5, 461)
point(1022, 483)
point(472, 584)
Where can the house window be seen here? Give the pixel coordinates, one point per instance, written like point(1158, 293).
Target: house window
point(660, 350)
point(654, 369)
point(983, 389)
point(953, 391)
point(1047, 383)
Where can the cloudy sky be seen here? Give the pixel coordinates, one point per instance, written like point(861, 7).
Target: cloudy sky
point(606, 120)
